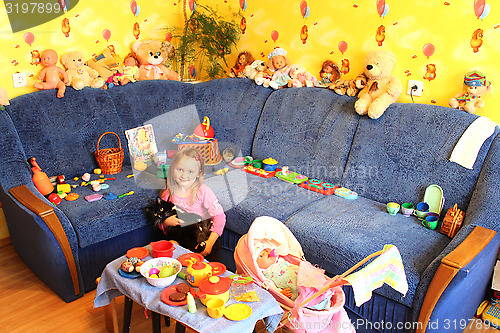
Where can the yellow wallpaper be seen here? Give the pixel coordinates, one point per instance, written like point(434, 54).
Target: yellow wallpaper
point(332, 26)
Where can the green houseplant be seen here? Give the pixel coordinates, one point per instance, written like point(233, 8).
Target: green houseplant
point(202, 44)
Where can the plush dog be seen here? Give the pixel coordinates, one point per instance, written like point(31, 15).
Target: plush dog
point(259, 72)
point(349, 87)
point(382, 88)
point(79, 74)
point(151, 54)
point(191, 235)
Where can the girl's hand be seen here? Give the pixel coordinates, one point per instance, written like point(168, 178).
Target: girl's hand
point(172, 221)
point(208, 249)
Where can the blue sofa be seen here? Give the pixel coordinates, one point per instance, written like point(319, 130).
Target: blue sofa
point(311, 130)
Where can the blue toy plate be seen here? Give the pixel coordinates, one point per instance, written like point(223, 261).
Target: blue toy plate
point(346, 193)
point(133, 275)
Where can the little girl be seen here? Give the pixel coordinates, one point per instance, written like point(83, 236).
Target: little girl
point(280, 65)
point(185, 188)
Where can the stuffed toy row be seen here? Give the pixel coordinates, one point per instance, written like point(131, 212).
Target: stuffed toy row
point(107, 69)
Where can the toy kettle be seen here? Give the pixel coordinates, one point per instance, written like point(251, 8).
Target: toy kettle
point(197, 271)
point(204, 129)
point(40, 178)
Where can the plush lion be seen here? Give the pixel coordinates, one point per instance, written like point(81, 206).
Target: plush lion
point(79, 74)
point(151, 54)
point(382, 88)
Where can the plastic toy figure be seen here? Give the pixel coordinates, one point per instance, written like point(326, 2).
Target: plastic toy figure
point(51, 74)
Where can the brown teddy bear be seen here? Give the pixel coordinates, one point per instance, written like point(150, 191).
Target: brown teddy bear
point(151, 54)
point(382, 88)
point(79, 74)
point(351, 87)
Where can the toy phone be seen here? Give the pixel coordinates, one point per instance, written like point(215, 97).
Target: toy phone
point(490, 313)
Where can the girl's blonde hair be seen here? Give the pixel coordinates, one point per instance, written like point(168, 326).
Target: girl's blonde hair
point(171, 184)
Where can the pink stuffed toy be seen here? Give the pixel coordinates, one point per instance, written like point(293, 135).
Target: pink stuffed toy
point(300, 77)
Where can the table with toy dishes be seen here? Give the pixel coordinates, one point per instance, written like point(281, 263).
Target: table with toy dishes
point(112, 284)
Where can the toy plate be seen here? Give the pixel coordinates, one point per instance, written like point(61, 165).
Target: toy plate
point(217, 268)
point(240, 162)
point(237, 312)
point(292, 177)
point(434, 198)
point(346, 193)
point(170, 290)
point(190, 256)
point(138, 252)
point(133, 275)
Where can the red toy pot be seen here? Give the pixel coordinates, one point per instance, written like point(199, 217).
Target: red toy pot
point(162, 248)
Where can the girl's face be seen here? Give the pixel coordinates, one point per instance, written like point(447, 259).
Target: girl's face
point(279, 62)
point(186, 172)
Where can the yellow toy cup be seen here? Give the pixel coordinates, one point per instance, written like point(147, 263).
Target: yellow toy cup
point(215, 307)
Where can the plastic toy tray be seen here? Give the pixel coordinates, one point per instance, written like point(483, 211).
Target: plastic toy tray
point(292, 177)
point(434, 198)
point(317, 185)
point(260, 172)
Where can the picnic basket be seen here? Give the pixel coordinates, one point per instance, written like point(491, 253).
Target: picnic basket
point(110, 160)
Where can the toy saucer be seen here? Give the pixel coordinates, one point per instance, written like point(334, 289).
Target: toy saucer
point(190, 256)
point(170, 290)
point(240, 162)
point(238, 312)
point(217, 268)
point(133, 275)
point(138, 252)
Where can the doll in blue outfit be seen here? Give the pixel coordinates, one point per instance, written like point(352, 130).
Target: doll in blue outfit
point(280, 65)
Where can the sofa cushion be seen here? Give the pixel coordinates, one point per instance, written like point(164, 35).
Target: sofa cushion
point(395, 157)
point(308, 129)
point(104, 219)
point(336, 233)
point(245, 197)
point(234, 107)
point(62, 133)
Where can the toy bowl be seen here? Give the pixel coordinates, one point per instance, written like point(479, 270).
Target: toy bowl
point(159, 263)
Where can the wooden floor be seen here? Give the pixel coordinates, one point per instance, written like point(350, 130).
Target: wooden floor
point(27, 305)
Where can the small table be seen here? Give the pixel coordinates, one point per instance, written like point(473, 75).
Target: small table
point(112, 285)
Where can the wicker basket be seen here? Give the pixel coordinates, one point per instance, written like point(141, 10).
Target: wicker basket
point(110, 160)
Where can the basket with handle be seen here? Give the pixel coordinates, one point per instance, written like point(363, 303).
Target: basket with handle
point(110, 160)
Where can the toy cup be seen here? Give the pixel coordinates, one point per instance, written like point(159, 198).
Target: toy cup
point(430, 222)
point(215, 307)
point(392, 208)
point(407, 209)
point(162, 248)
point(422, 210)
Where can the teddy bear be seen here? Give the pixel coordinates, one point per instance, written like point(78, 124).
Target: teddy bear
point(349, 87)
point(259, 72)
point(382, 88)
point(474, 86)
point(79, 74)
point(151, 54)
point(300, 77)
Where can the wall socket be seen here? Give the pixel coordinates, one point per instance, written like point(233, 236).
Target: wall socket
point(418, 91)
point(20, 80)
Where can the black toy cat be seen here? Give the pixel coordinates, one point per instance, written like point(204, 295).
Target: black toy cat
point(191, 235)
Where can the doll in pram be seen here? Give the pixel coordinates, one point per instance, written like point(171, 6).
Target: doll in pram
point(317, 305)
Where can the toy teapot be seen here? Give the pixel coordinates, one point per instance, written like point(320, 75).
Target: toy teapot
point(214, 287)
point(204, 130)
point(197, 271)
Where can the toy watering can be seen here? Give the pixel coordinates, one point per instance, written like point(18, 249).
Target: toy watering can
point(204, 130)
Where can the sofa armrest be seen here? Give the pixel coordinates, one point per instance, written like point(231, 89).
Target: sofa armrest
point(450, 265)
point(47, 214)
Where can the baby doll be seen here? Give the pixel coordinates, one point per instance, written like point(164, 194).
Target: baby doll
point(280, 271)
point(130, 71)
point(50, 75)
point(280, 65)
point(244, 59)
point(329, 74)
point(475, 85)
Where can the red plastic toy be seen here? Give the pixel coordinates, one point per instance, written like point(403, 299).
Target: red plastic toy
point(204, 130)
point(40, 179)
point(317, 185)
point(260, 172)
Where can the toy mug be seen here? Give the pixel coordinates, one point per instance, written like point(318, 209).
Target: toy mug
point(215, 307)
point(422, 210)
point(430, 222)
point(392, 208)
point(407, 209)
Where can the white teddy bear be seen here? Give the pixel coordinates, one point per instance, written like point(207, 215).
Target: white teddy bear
point(79, 74)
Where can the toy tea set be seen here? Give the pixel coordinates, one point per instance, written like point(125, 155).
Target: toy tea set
point(429, 210)
point(213, 289)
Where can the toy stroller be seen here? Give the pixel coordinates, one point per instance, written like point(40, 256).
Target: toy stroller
point(314, 287)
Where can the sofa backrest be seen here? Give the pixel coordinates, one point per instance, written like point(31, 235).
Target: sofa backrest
point(62, 133)
point(310, 130)
point(396, 157)
point(234, 107)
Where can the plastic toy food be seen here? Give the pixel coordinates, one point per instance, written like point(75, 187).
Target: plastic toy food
point(127, 267)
